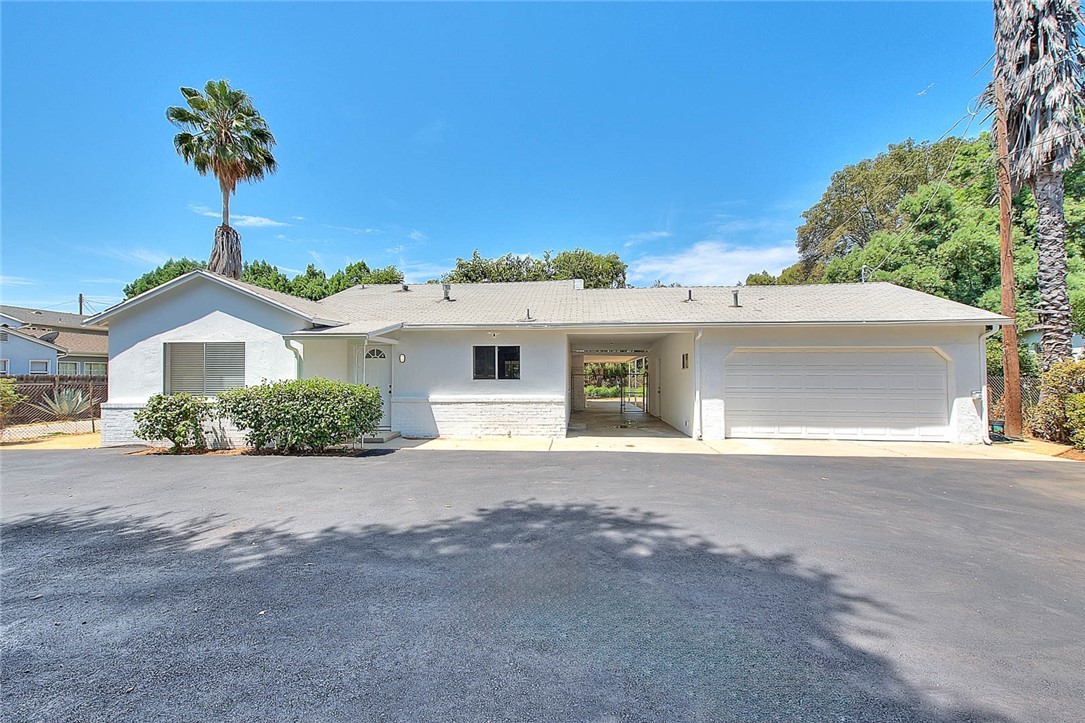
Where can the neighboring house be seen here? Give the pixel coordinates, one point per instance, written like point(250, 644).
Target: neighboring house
point(22, 353)
point(1031, 337)
point(842, 361)
point(84, 349)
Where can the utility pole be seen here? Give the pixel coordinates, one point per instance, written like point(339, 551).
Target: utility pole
point(1011, 365)
point(80, 304)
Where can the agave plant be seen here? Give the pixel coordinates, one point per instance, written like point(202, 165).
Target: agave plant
point(66, 404)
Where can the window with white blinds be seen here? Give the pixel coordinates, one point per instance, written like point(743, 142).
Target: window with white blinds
point(204, 368)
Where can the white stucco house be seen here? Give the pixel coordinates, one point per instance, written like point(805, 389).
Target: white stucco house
point(845, 361)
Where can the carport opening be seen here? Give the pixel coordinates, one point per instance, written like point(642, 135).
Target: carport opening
point(614, 391)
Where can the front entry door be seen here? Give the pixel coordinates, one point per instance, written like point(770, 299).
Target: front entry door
point(377, 372)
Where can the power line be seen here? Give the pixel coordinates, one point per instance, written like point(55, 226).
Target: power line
point(970, 115)
point(937, 188)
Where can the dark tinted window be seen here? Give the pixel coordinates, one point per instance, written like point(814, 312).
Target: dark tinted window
point(508, 362)
point(485, 362)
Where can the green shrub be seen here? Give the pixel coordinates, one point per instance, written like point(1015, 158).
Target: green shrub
point(1051, 419)
point(1075, 420)
point(593, 392)
point(176, 417)
point(9, 399)
point(306, 414)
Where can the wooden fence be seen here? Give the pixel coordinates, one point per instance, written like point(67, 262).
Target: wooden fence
point(34, 417)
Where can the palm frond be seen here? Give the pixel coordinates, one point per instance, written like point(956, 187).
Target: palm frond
point(1040, 62)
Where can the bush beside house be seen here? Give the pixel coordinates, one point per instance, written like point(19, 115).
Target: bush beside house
point(178, 418)
point(302, 415)
point(1060, 415)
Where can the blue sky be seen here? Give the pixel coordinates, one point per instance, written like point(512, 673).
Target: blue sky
point(687, 137)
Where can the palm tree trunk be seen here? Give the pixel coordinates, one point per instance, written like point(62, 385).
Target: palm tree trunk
point(226, 253)
point(1054, 309)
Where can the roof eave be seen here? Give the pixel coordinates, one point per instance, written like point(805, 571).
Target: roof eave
point(216, 278)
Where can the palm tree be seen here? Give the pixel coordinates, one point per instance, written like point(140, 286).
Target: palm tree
point(1040, 63)
point(222, 133)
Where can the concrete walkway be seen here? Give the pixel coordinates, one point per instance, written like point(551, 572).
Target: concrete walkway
point(747, 447)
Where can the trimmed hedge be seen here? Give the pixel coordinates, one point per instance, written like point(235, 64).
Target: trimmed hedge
point(302, 415)
point(176, 417)
point(593, 392)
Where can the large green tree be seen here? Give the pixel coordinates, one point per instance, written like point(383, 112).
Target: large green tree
point(224, 135)
point(598, 271)
point(1040, 65)
point(310, 284)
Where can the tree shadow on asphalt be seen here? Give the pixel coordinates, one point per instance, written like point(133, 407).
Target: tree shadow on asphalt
point(525, 611)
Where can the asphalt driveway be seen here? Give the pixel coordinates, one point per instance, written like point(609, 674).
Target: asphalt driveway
point(541, 586)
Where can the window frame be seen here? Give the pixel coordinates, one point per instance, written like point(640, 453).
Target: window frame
point(7, 366)
point(87, 366)
point(167, 367)
point(60, 373)
point(32, 362)
point(497, 363)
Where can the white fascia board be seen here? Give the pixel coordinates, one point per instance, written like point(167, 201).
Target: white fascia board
point(667, 325)
point(372, 334)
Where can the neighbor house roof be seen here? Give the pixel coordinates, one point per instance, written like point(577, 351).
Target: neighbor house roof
point(368, 310)
point(31, 338)
point(43, 317)
point(77, 343)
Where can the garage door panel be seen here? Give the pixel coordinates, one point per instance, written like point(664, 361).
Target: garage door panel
point(829, 394)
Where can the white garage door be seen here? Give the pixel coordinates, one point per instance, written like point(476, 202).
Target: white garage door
point(827, 394)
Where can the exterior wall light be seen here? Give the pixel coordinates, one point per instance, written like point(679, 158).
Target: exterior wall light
point(402, 358)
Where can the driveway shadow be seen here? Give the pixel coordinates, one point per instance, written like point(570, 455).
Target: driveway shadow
point(525, 611)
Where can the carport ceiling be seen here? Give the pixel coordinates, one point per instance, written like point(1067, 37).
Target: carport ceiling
point(632, 345)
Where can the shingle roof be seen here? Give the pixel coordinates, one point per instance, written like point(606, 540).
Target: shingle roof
point(368, 309)
point(561, 303)
point(43, 317)
point(75, 342)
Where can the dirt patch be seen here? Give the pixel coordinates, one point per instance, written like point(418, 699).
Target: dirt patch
point(1074, 454)
point(252, 452)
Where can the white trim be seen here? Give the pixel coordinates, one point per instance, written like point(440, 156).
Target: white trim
point(62, 361)
point(32, 362)
point(7, 365)
point(216, 278)
point(36, 340)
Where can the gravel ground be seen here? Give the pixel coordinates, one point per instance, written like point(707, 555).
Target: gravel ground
point(418, 585)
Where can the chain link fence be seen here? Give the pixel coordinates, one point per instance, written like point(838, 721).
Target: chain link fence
point(55, 405)
point(996, 387)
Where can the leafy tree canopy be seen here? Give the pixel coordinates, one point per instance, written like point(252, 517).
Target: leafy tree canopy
point(599, 271)
point(938, 238)
point(312, 284)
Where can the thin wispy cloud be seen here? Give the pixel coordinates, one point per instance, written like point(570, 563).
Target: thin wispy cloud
point(422, 271)
point(102, 280)
point(395, 250)
point(298, 218)
point(238, 219)
point(709, 263)
point(638, 238)
point(429, 134)
point(417, 236)
point(317, 257)
point(138, 256)
point(16, 281)
point(356, 230)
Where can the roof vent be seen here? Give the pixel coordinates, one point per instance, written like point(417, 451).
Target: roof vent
point(734, 296)
point(448, 291)
point(529, 318)
point(406, 287)
point(689, 295)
